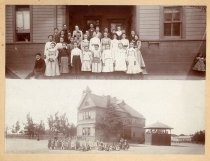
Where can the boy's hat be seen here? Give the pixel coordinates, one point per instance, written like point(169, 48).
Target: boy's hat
point(38, 54)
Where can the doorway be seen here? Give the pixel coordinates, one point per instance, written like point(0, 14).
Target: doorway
point(102, 16)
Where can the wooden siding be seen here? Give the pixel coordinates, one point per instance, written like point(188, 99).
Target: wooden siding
point(43, 22)
point(9, 24)
point(195, 22)
point(148, 22)
point(61, 14)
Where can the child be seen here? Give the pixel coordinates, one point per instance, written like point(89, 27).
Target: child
point(119, 33)
point(52, 68)
point(132, 36)
point(76, 59)
point(120, 59)
point(64, 59)
point(114, 43)
point(200, 63)
point(94, 41)
point(91, 30)
point(107, 59)
point(47, 45)
point(105, 40)
point(56, 35)
point(39, 67)
point(86, 59)
point(125, 41)
point(107, 31)
point(133, 65)
point(98, 33)
point(85, 42)
point(96, 63)
point(77, 31)
point(137, 46)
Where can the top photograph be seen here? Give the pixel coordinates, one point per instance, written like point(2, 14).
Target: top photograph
point(113, 42)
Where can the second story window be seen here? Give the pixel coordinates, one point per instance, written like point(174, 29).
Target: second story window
point(172, 21)
point(22, 27)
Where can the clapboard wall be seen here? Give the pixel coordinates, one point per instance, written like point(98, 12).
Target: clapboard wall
point(9, 24)
point(44, 20)
point(170, 55)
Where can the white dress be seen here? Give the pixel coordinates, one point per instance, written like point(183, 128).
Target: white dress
point(46, 47)
point(133, 64)
point(120, 60)
point(86, 60)
point(125, 42)
point(52, 67)
point(107, 59)
point(94, 41)
point(96, 63)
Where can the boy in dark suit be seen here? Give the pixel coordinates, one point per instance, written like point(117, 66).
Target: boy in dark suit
point(39, 68)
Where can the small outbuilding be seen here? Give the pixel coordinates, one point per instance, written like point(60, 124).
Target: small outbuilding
point(158, 134)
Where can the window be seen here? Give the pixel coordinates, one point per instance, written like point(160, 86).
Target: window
point(22, 27)
point(86, 131)
point(87, 115)
point(172, 21)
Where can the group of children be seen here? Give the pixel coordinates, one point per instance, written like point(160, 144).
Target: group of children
point(93, 51)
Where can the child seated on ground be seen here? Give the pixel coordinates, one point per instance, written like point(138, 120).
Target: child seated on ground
point(86, 59)
point(39, 67)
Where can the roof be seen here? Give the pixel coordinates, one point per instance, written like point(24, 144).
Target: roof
point(99, 101)
point(158, 125)
point(106, 101)
point(130, 110)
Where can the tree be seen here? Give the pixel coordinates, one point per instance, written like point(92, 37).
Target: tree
point(17, 126)
point(111, 125)
point(199, 137)
point(29, 127)
point(60, 124)
point(39, 129)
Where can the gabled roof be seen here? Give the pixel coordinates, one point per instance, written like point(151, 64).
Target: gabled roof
point(99, 101)
point(130, 110)
point(107, 101)
point(158, 125)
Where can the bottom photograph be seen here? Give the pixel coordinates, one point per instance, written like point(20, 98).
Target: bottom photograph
point(96, 116)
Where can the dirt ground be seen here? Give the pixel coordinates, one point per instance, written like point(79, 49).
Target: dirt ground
point(34, 146)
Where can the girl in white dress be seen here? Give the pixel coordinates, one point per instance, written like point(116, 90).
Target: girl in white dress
point(133, 65)
point(85, 42)
point(107, 59)
point(52, 67)
point(94, 41)
point(120, 59)
point(86, 59)
point(105, 40)
point(125, 41)
point(96, 63)
point(114, 43)
point(47, 45)
point(137, 46)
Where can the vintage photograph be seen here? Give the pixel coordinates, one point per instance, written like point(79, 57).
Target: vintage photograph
point(148, 42)
point(105, 116)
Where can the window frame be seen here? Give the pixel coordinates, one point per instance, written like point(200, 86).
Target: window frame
point(14, 27)
point(182, 23)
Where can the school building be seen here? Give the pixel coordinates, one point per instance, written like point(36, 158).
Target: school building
point(171, 35)
point(91, 111)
